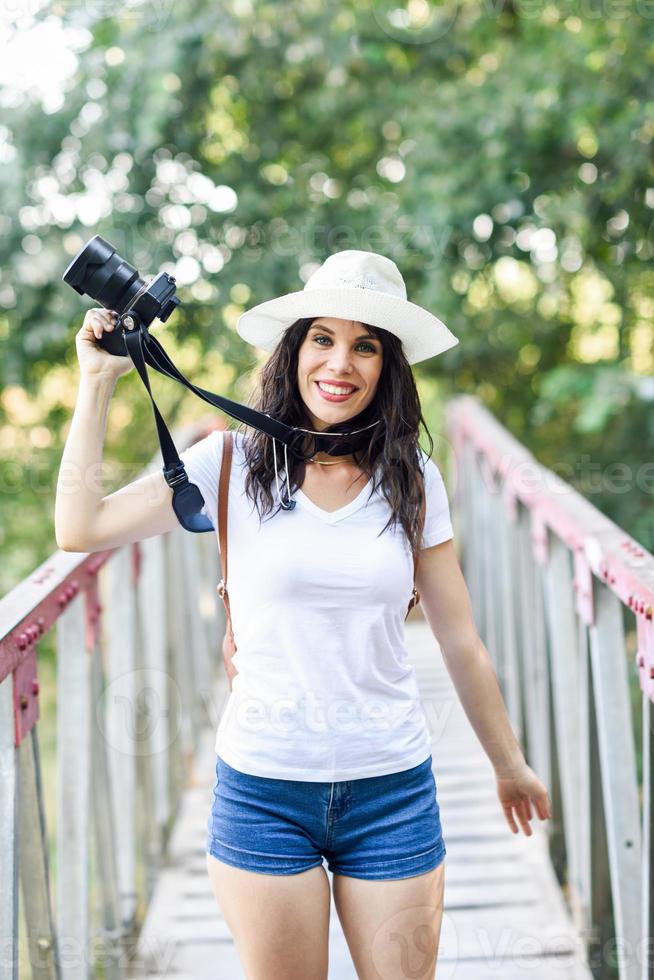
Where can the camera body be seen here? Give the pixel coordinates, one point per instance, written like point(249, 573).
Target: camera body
point(99, 272)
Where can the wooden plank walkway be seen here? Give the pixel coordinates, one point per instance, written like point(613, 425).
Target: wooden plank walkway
point(504, 916)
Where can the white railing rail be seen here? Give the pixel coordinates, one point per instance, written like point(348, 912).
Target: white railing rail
point(554, 583)
point(138, 648)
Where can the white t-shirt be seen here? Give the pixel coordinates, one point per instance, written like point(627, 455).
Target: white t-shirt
point(324, 691)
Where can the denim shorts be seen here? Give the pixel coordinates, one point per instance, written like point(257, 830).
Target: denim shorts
point(378, 827)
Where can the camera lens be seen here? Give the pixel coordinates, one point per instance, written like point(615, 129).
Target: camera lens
point(99, 272)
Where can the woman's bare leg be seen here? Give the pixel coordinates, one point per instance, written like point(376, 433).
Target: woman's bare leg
point(280, 923)
point(392, 927)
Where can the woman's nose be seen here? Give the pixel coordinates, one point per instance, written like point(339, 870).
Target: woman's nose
point(340, 358)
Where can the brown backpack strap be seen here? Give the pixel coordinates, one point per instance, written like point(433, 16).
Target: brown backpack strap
point(223, 494)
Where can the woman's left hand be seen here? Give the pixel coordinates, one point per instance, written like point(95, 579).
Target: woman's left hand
point(517, 791)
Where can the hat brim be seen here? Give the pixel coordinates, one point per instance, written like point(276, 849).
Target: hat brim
point(422, 334)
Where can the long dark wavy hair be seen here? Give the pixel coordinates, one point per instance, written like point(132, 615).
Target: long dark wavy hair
point(391, 453)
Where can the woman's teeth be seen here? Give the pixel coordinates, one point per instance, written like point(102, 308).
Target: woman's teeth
point(334, 389)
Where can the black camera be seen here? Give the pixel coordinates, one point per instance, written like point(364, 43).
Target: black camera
point(99, 272)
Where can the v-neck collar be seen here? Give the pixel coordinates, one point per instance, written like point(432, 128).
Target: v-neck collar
point(332, 516)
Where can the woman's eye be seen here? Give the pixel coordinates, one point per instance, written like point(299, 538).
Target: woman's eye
point(369, 347)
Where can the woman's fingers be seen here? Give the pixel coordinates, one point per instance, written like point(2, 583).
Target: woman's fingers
point(510, 819)
point(102, 320)
point(518, 813)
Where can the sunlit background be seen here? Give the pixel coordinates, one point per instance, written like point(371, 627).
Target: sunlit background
point(499, 152)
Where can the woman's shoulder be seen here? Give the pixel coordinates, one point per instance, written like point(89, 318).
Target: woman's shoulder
point(215, 439)
point(438, 522)
point(206, 453)
point(203, 463)
point(433, 478)
point(238, 443)
point(429, 465)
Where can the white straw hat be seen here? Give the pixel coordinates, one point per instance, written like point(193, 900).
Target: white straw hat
point(351, 285)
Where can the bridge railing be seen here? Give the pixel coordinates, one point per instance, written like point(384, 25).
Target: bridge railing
point(137, 633)
point(559, 593)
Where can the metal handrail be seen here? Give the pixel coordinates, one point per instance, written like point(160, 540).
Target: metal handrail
point(138, 645)
point(552, 580)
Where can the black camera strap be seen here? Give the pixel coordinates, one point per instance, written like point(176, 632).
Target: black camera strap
point(188, 501)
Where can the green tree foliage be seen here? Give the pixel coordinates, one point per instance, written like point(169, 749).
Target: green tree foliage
point(499, 152)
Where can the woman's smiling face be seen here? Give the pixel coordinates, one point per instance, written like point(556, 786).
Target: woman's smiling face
point(339, 355)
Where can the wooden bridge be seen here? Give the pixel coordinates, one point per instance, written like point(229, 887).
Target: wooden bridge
point(103, 820)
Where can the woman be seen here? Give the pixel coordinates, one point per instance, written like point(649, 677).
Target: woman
point(323, 750)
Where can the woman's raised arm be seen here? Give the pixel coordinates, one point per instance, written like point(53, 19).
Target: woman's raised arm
point(85, 520)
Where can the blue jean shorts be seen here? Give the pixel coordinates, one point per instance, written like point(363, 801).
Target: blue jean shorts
point(378, 827)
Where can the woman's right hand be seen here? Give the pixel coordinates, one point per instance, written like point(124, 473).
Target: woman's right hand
point(94, 359)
